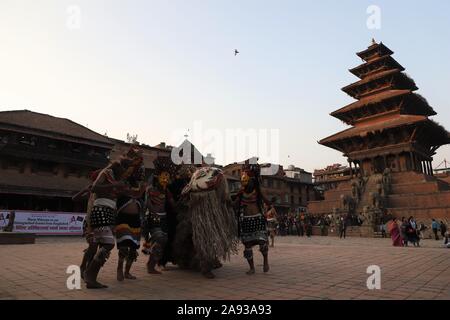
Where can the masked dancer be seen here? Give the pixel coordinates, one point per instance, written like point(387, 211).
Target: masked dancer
point(207, 230)
point(129, 209)
point(181, 180)
point(106, 188)
point(159, 202)
point(252, 222)
point(89, 252)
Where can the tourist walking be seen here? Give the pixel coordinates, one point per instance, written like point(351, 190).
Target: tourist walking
point(411, 232)
point(282, 225)
point(435, 228)
point(271, 217)
point(383, 230)
point(301, 228)
point(412, 222)
point(446, 240)
point(422, 228)
point(443, 228)
point(297, 225)
point(342, 227)
point(308, 226)
point(322, 225)
point(394, 231)
point(403, 231)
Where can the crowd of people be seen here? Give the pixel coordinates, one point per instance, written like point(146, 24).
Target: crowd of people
point(405, 232)
point(408, 231)
point(300, 224)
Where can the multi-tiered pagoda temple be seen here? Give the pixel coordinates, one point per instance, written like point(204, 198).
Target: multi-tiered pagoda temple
point(391, 144)
point(390, 124)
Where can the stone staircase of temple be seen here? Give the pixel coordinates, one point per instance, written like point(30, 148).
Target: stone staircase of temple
point(377, 234)
point(333, 199)
point(419, 195)
point(411, 194)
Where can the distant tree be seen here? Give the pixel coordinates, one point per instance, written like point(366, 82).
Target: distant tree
point(132, 138)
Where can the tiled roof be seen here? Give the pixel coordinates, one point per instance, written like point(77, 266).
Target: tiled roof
point(386, 59)
point(372, 99)
point(373, 48)
point(51, 125)
point(365, 128)
point(371, 77)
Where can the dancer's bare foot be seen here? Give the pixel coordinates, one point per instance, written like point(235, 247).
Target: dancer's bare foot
point(165, 268)
point(120, 276)
point(129, 276)
point(208, 274)
point(250, 272)
point(153, 271)
point(151, 267)
point(266, 263)
point(95, 285)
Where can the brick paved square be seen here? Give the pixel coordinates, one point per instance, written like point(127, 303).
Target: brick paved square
point(301, 268)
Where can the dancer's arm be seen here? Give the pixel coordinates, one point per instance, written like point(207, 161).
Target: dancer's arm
point(82, 193)
point(105, 184)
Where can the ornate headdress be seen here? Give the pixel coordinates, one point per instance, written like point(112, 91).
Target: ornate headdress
point(133, 160)
point(165, 164)
point(204, 179)
point(133, 155)
point(186, 171)
point(252, 168)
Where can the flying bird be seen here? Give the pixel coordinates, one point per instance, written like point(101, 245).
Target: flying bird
point(235, 52)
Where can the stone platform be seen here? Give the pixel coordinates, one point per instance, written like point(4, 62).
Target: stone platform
point(17, 238)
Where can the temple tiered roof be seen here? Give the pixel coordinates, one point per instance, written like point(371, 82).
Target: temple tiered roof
point(378, 64)
point(387, 114)
point(378, 82)
point(374, 51)
point(391, 143)
point(385, 101)
point(373, 127)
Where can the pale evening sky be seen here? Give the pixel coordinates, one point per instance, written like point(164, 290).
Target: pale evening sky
point(155, 67)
